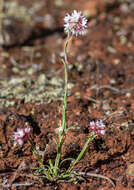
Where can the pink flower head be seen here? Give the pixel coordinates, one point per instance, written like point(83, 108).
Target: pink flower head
point(98, 127)
point(27, 130)
point(21, 135)
point(20, 141)
point(75, 23)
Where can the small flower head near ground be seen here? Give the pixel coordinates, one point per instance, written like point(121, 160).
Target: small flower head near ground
point(97, 127)
point(21, 135)
point(75, 23)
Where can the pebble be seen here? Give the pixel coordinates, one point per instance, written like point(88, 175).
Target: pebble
point(128, 94)
point(112, 81)
point(111, 50)
point(124, 8)
point(106, 106)
point(123, 40)
point(116, 61)
point(42, 79)
point(130, 170)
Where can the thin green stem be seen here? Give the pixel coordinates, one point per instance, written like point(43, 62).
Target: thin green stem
point(65, 63)
point(65, 98)
point(62, 135)
point(83, 151)
point(66, 47)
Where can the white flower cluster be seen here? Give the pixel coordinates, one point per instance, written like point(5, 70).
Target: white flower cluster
point(21, 135)
point(98, 127)
point(75, 23)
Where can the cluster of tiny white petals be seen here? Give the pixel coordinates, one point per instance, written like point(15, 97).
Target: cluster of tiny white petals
point(21, 135)
point(75, 23)
point(98, 127)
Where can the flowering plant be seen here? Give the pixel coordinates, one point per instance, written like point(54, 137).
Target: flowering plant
point(75, 24)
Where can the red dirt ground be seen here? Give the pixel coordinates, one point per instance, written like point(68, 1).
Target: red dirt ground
point(101, 77)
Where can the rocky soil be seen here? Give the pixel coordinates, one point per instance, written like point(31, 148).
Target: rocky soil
point(101, 86)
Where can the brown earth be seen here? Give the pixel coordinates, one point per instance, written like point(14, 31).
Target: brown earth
point(101, 86)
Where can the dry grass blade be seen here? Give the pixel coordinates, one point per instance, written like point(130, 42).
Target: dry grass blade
point(98, 176)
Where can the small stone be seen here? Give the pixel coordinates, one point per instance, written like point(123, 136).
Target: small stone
point(106, 106)
point(116, 61)
point(116, 20)
point(112, 81)
point(30, 71)
point(130, 170)
point(124, 8)
point(128, 94)
point(77, 94)
point(42, 79)
point(123, 40)
point(56, 81)
point(70, 85)
point(15, 70)
point(79, 67)
point(38, 55)
point(111, 50)
point(59, 2)
point(108, 112)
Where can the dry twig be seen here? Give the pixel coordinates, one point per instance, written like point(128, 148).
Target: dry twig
point(97, 175)
point(15, 185)
point(118, 91)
